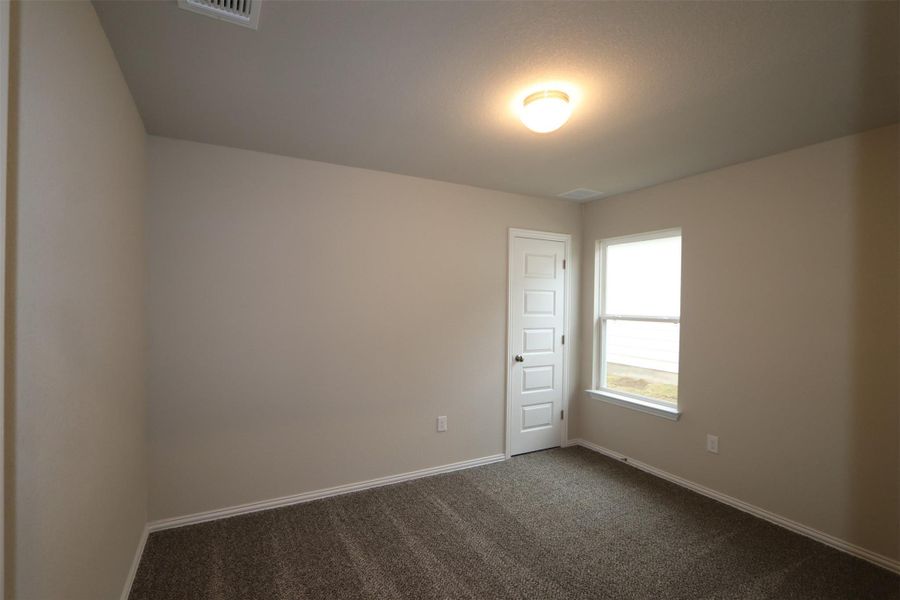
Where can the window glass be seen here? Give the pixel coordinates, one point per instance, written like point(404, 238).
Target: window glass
point(644, 277)
point(642, 359)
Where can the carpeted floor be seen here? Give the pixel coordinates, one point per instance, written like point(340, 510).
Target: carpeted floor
point(565, 523)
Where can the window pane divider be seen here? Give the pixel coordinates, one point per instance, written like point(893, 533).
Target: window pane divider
point(606, 317)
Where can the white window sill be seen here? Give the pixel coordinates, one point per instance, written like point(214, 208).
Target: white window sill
point(651, 408)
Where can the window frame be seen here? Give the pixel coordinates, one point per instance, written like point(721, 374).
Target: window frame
point(598, 391)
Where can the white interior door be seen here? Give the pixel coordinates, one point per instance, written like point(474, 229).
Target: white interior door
point(537, 305)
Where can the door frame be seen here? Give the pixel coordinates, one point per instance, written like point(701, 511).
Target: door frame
point(566, 238)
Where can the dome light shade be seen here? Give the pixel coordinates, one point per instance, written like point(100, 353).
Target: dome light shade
point(546, 111)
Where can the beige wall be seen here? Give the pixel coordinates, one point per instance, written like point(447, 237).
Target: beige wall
point(789, 341)
point(77, 483)
point(308, 322)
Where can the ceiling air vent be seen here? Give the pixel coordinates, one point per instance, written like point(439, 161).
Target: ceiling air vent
point(581, 194)
point(239, 12)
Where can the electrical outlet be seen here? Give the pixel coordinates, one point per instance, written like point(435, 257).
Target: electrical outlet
point(442, 423)
point(712, 443)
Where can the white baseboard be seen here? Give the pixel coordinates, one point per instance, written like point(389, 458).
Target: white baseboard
point(252, 507)
point(873, 557)
point(129, 581)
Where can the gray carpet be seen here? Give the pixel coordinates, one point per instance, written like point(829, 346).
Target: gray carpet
point(564, 523)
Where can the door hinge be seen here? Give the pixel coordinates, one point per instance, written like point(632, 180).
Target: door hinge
point(563, 340)
point(564, 263)
point(562, 415)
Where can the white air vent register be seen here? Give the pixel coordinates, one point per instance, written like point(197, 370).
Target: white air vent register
point(239, 12)
point(581, 194)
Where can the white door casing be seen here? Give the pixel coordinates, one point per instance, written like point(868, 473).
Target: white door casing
point(535, 348)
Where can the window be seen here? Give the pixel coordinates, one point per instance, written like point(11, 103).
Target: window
point(639, 321)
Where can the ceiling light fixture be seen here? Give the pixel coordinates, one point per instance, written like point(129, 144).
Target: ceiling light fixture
point(546, 111)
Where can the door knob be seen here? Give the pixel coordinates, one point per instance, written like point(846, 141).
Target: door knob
point(519, 358)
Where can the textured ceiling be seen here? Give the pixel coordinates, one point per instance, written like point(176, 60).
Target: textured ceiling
point(424, 88)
